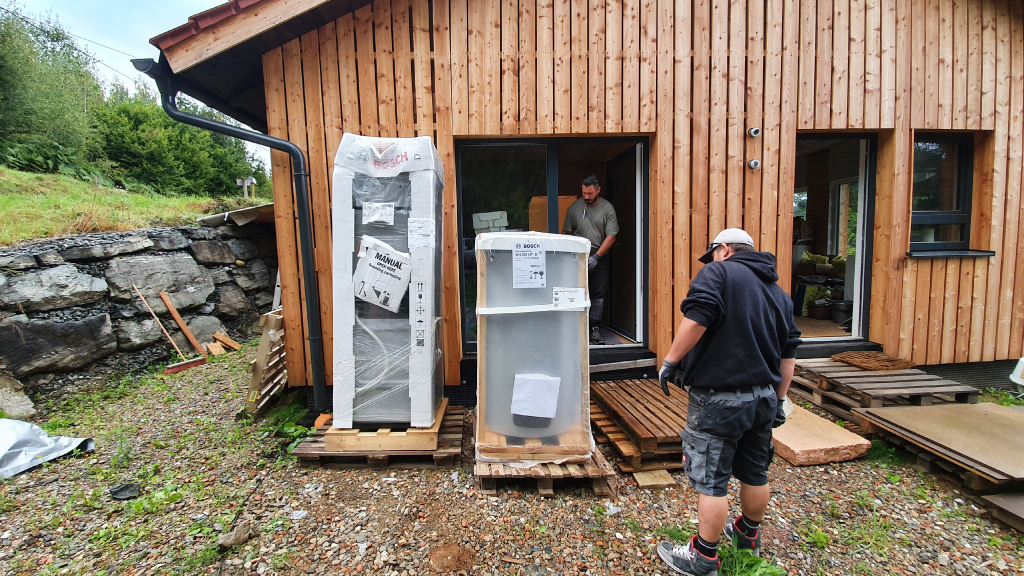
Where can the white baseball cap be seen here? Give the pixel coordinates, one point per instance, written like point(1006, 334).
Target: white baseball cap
point(727, 236)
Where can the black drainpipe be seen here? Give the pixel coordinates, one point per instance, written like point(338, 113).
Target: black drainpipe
point(168, 84)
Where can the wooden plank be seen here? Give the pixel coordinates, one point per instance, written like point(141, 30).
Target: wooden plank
point(922, 306)
point(787, 143)
point(284, 216)
point(808, 36)
point(840, 63)
point(215, 348)
point(475, 69)
point(931, 64)
point(580, 81)
point(945, 74)
point(367, 69)
point(613, 66)
point(631, 65)
point(735, 145)
point(509, 67)
point(663, 304)
point(451, 306)
point(545, 67)
point(823, 66)
point(596, 37)
point(919, 29)
point(974, 64)
point(856, 70)
point(384, 50)
point(423, 89)
point(753, 189)
point(648, 66)
point(404, 99)
point(699, 189)
point(527, 67)
point(963, 311)
point(718, 137)
point(319, 187)
point(959, 66)
point(330, 80)
point(491, 36)
point(935, 310)
point(887, 78)
point(227, 341)
point(181, 323)
point(872, 62)
point(682, 118)
point(770, 128)
point(562, 43)
point(988, 71)
point(233, 31)
point(347, 73)
point(459, 34)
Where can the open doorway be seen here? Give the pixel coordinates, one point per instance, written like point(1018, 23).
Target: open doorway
point(517, 185)
point(832, 202)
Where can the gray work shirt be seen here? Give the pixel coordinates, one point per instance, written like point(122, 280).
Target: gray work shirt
point(595, 223)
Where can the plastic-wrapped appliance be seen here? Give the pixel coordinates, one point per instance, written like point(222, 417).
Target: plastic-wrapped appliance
point(533, 376)
point(386, 230)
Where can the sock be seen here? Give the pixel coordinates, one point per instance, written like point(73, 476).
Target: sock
point(748, 527)
point(709, 549)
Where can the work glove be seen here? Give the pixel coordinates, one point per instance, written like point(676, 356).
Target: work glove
point(592, 262)
point(667, 375)
point(780, 415)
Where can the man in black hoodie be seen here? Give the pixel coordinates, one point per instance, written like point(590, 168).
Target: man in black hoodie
point(735, 351)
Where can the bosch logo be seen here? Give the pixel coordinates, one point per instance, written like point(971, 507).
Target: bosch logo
point(396, 161)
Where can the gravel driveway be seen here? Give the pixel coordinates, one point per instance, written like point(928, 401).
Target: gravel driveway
point(177, 437)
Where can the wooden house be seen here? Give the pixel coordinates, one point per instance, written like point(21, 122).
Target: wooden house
point(887, 133)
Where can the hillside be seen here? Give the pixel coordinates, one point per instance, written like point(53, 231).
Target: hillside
point(38, 206)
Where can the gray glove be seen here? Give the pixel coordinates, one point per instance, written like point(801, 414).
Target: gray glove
point(592, 262)
point(780, 415)
point(667, 375)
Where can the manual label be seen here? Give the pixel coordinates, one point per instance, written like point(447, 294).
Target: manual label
point(382, 274)
point(529, 267)
point(572, 299)
point(379, 213)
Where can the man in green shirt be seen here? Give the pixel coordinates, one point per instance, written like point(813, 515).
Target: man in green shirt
point(594, 219)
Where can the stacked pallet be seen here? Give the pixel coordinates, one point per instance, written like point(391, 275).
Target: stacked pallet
point(839, 388)
point(640, 422)
point(267, 372)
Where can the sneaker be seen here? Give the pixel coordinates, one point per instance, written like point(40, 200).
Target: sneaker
point(595, 336)
point(686, 560)
point(741, 541)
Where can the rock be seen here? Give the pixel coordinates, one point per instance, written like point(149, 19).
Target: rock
point(232, 231)
point(219, 275)
point(13, 401)
point(263, 298)
point(240, 535)
point(212, 252)
point(186, 282)
point(203, 328)
point(168, 240)
point(253, 277)
point(31, 346)
point(51, 289)
point(244, 249)
point(806, 439)
point(198, 233)
point(232, 301)
point(19, 262)
point(103, 251)
point(49, 258)
point(132, 335)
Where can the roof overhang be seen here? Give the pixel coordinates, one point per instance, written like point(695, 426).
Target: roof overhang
point(219, 53)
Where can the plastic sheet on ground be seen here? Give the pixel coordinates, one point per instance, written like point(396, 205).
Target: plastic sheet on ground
point(24, 446)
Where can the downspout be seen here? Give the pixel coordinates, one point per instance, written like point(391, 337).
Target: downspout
point(168, 84)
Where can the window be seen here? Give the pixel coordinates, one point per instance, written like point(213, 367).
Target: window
point(941, 196)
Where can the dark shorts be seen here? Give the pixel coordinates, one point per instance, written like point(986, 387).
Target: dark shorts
point(728, 434)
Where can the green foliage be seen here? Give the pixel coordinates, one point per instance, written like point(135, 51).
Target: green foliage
point(674, 533)
point(155, 502)
point(742, 563)
point(1004, 398)
point(883, 453)
point(814, 536)
point(6, 503)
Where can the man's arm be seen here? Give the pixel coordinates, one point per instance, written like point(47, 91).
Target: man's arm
point(606, 245)
point(687, 335)
point(787, 367)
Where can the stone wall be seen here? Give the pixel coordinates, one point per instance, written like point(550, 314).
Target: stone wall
point(70, 318)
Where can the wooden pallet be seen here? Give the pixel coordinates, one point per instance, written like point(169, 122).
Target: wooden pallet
point(641, 423)
point(875, 388)
point(573, 445)
point(872, 360)
point(268, 374)
point(384, 439)
point(313, 452)
point(595, 469)
point(632, 459)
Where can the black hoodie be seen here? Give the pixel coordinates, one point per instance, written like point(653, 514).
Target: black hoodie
point(749, 321)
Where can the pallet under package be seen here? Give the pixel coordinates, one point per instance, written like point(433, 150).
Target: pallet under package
point(533, 371)
point(386, 226)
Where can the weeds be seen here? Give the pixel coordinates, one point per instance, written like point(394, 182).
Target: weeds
point(674, 533)
point(814, 536)
point(743, 563)
point(1004, 398)
point(883, 453)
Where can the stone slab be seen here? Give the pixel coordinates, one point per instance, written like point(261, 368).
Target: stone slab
point(51, 289)
point(807, 440)
point(187, 283)
point(103, 251)
point(212, 252)
point(33, 346)
point(654, 479)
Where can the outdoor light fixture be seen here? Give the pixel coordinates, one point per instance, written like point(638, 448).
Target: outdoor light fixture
point(754, 132)
point(754, 164)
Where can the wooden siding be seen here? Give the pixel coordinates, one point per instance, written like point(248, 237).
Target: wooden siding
point(693, 76)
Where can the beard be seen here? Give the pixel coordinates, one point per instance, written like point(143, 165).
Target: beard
point(591, 201)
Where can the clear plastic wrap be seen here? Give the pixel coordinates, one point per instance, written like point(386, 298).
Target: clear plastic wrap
point(533, 390)
point(386, 225)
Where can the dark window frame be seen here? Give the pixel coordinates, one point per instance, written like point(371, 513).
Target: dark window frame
point(964, 194)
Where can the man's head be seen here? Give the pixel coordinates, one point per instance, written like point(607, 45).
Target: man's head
point(727, 243)
point(591, 188)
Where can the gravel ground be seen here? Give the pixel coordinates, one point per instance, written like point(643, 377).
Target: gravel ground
point(198, 467)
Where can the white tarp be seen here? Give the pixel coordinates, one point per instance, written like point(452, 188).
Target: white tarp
point(24, 445)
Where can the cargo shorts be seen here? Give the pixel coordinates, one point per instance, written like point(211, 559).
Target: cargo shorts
point(728, 434)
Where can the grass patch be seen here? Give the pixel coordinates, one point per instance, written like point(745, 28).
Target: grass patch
point(51, 205)
point(814, 537)
point(743, 563)
point(1004, 398)
point(884, 454)
point(674, 533)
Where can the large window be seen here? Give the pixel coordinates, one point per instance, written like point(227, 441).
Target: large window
point(941, 197)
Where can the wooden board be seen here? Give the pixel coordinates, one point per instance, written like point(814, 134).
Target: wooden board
point(268, 372)
point(227, 341)
point(1009, 508)
point(654, 479)
point(215, 348)
point(594, 469)
point(181, 324)
point(356, 440)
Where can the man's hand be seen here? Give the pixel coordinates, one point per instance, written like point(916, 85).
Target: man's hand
point(668, 374)
point(780, 414)
point(592, 262)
